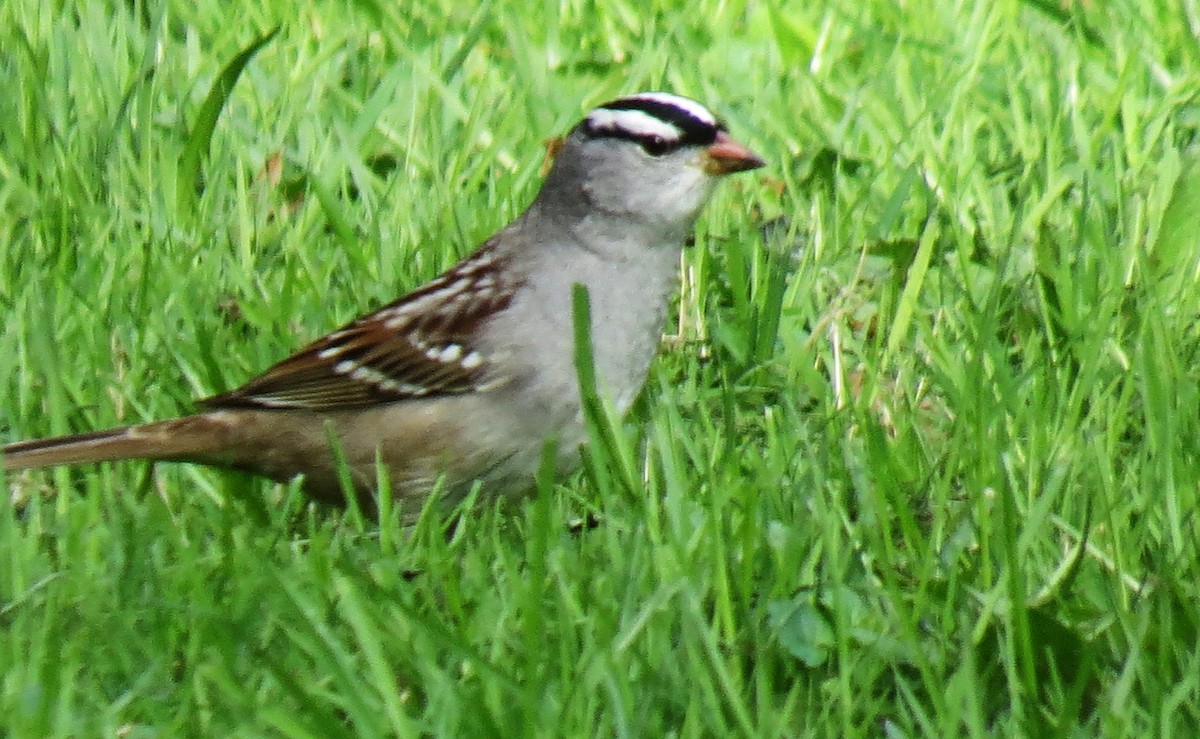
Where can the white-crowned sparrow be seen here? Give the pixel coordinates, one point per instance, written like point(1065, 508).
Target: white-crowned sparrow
point(467, 376)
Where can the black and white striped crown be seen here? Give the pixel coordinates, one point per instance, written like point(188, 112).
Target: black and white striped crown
point(656, 120)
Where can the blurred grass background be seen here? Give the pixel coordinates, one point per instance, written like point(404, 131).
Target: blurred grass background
point(919, 456)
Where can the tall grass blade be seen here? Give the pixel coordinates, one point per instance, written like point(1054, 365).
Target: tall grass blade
point(198, 141)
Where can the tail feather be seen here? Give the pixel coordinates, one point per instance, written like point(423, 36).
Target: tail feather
point(193, 437)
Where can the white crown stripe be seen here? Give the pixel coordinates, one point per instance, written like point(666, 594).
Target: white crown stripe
point(633, 122)
point(691, 107)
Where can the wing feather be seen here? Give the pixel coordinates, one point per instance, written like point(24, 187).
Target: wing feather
point(417, 347)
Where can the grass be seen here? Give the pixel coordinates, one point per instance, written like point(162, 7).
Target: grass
point(920, 457)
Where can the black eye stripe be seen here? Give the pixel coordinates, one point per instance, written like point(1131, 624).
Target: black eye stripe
point(657, 146)
point(654, 145)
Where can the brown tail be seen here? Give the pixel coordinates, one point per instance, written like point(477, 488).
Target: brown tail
point(193, 437)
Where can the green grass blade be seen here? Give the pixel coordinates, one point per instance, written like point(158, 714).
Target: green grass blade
point(600, 417)
point(198, 141)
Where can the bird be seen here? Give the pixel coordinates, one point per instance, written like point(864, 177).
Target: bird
point(465, 379)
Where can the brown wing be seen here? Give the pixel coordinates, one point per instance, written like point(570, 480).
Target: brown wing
point(419, 346)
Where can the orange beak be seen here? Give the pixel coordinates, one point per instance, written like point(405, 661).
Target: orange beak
point(726, 156)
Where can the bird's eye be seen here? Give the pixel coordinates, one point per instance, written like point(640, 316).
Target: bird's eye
point(655, 146)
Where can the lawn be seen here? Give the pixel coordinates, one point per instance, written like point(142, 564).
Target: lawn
point(920, 455)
